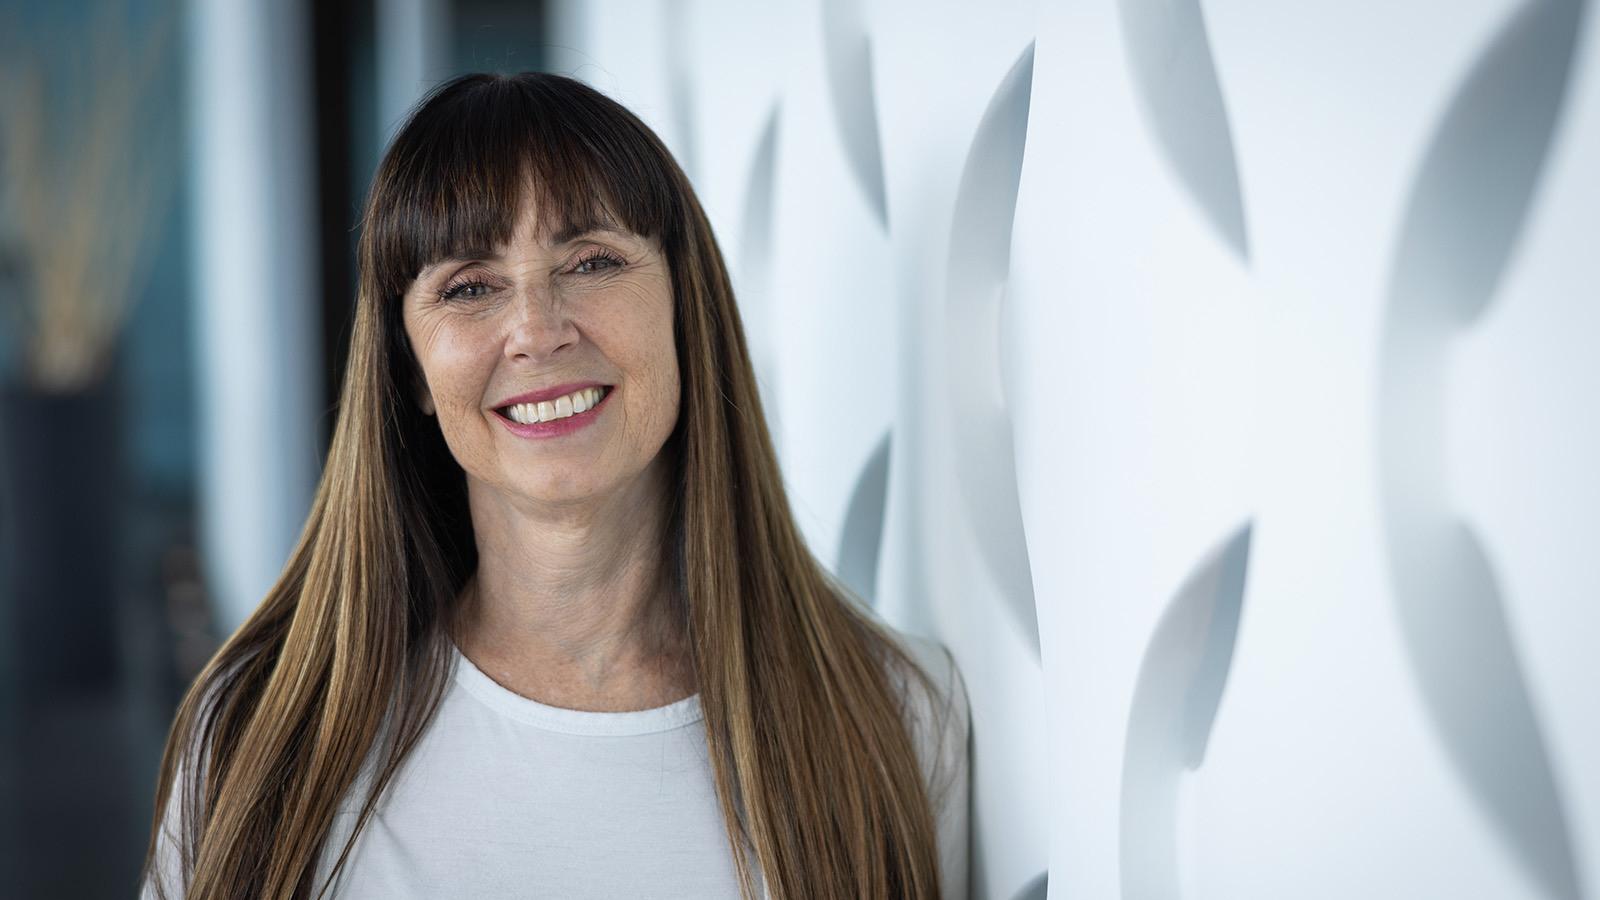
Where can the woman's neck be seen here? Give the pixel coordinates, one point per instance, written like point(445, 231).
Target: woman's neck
point(577, 610)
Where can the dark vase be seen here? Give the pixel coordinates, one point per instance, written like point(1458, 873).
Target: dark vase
point(61, 461)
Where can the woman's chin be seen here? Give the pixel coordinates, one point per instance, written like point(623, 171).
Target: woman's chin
point(561, 494)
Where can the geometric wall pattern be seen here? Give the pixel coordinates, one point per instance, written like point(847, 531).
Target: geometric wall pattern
point(1217, 380)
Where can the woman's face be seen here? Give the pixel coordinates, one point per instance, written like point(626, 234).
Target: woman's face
point(562, 312)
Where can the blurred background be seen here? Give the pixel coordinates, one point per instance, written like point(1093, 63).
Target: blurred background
point(1216, 381)
point(181, 185)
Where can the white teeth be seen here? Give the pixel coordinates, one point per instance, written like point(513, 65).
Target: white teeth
point(562, 407)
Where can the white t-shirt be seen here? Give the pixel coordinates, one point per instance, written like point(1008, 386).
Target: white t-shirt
point(507, 797)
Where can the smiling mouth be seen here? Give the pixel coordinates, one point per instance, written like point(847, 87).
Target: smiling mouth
point(555, 410)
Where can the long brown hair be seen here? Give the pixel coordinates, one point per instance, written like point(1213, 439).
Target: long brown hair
point(804, 711)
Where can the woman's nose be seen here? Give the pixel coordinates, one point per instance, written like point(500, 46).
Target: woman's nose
point(540, 326)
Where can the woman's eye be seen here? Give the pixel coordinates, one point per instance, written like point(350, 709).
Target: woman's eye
point(467, 290)
point(599, 262)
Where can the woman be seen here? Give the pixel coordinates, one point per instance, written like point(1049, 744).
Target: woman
point(550, 629)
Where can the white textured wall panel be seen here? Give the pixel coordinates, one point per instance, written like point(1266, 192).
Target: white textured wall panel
point(1216, 380)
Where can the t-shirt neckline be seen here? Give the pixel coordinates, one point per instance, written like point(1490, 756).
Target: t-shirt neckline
point(571, 721)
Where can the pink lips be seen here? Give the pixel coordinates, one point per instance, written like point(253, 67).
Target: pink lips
point(558, 427)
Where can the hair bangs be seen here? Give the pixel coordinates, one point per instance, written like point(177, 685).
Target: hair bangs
point(456, 176)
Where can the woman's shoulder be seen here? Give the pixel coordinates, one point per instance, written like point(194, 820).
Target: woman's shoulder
point(172, 859)
point(933, 659)
point(936, 709)
point(939, 722)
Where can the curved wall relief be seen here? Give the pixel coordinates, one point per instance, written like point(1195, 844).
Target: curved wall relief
point(980, 259)
point(1175, 701)
point(1169, 58)
point(755, 264)
point(677, 53)
point(1037, 888)
point(849, 67)
point(755, 244)
point(1462, 223)
point(952, 103)
point(1137, 427)
point(832, 280)
point(862, 537)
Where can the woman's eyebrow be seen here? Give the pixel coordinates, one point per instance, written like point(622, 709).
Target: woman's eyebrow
point(573, 232)
point(464, 255)
point(594, 221)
